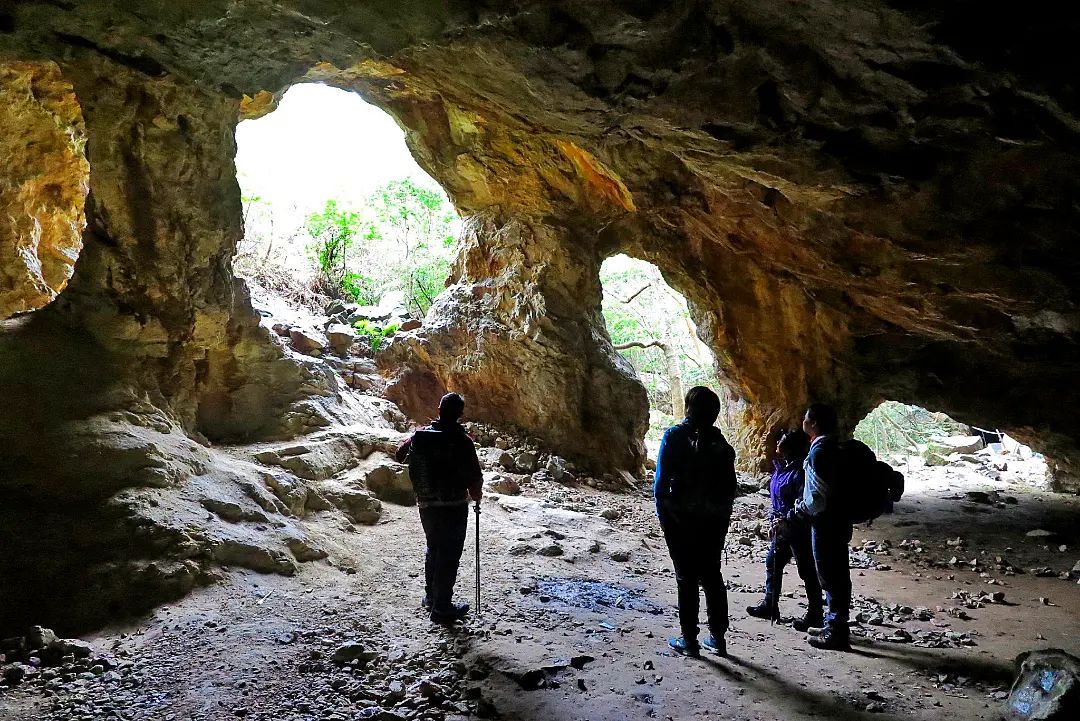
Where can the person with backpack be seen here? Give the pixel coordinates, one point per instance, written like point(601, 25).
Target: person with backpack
point(445, 472)
point(694, 488)
point(823, 504)
point(790, 538)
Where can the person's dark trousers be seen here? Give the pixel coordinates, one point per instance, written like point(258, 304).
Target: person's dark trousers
point(696, 550)
point(830, 546)
point(794, 541)
point(444, 528)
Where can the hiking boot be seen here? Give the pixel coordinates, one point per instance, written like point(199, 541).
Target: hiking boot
point(686, 648)
point(831, 642)
point(455, 612)
point(764, 610)
point(812, 619)
point(716, 644)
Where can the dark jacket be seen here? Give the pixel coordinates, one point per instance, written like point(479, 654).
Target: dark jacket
point(695, 474)
point(442, 464)
point(786, 487)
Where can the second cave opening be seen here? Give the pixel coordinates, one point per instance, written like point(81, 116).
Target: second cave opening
point(650, 325)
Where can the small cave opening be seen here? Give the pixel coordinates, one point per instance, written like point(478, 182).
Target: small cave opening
point(935, 450)
point(650, 325)
point(344, 234)
point(44, 187)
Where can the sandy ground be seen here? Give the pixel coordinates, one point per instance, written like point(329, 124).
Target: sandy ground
point(245, 648)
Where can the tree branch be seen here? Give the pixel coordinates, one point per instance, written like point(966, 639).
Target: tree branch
point(633, 295)
point(640, 344)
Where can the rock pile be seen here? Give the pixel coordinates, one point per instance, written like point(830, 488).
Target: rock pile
point(40, 657)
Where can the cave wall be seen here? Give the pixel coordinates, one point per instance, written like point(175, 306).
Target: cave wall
point(43, 186)
point(859, 201)
point(519, 332)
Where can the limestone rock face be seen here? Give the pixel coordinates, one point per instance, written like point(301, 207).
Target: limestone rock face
point(43, 186)
point(520, 334)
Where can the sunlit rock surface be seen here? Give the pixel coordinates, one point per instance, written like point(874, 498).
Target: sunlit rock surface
point(859, 201)
point(43, 184)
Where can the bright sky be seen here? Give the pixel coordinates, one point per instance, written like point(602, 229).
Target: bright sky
point(321, 143)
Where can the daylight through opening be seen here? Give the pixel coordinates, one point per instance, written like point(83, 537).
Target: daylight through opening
point(934, 448)
point(341, 226)
point(650, 326)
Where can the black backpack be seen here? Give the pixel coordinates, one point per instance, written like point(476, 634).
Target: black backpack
point(706, 483)
point(868, 487)
point(435, 465)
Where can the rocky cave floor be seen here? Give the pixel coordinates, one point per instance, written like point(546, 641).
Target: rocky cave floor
point(581, 635)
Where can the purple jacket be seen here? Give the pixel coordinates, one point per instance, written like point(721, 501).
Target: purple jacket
point(786, 486)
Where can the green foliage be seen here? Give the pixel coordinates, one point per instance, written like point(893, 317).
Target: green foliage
point(360, 288)
point(417, 224)
point(376, 334)
point(402, 239)
point(333, 232)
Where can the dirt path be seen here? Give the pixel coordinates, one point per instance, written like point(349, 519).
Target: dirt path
point(258, 647)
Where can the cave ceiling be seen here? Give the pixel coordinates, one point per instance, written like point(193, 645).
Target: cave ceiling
point(860, 200)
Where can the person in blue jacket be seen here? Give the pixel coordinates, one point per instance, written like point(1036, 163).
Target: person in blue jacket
point(790, 539)
point(694, 490)
point(823, 504)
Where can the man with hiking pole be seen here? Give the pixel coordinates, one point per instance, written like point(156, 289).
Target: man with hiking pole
point(445, 473)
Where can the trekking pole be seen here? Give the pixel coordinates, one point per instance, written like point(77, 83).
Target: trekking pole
point(476, 508)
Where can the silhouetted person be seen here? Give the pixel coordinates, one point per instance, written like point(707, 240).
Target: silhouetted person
point(790, 538)
point(822, 504)
point(445, 472)
point(694, 490)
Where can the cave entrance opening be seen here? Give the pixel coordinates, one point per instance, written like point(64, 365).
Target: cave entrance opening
point(934, 449)
point(341, 225)
point(649, 324)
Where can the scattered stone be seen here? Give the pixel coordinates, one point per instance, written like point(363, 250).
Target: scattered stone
point(72, 646)
point(411, 324)
point(497, 483)
point(559, 470)
point(521, 549)
point(341, 337)
point(579, 662)
point(305, 342)
point(526, 462)
point(551, 550)
point(620, 556)
point(40, 637)
point(611, 514)
point(350, 652)
point(1040, 533)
